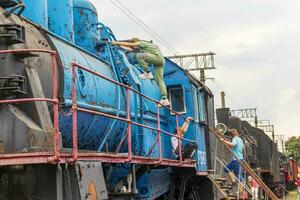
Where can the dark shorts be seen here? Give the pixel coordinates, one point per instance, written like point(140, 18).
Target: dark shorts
point(235, 167)
point(188, 151)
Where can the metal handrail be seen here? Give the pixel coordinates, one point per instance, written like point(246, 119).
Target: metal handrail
point(236, 178)
point(68, 157)
point(127, 119)
point(246, 167)
point(54, 100)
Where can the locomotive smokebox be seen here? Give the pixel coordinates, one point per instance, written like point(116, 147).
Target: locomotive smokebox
point(24, 126)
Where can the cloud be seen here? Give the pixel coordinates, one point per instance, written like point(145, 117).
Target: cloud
point(257, 45)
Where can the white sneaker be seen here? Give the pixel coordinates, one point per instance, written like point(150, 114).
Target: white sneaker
point(165, 102)
point(146, 75)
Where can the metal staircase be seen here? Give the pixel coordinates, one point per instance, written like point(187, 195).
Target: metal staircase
point(220, 182)
point(228, 191)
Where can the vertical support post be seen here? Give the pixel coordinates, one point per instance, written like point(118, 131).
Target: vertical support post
point(239, 185)
point(221, 171)
point(55, 108)
point(255, 121)
point(159, 133)
point(282, 144)
point(181, 62)
point(134, 179)
point(216, 155)
point(202, 75)
point(223, 99)
point(179, 140)
point(74, 115)
point(128, 124)
point(59, 183)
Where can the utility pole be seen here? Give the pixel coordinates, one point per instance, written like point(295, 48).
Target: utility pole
point(197, 63)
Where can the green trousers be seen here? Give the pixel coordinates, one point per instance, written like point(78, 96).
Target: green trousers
point(144, 59)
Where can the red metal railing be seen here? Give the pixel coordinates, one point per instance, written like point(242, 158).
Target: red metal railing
point(40, 157)
point(63, 157)
point(130, 156)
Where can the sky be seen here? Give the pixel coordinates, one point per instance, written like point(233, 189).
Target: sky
point(256, 42)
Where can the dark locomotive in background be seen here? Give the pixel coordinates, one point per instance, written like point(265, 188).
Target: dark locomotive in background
point(261, 152)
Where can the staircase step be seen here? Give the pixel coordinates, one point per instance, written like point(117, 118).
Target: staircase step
point(232, 196)
point(226, 187)
point(225, 190)
point(221, 179)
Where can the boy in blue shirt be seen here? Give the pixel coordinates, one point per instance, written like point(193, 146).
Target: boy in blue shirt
point(237, 146)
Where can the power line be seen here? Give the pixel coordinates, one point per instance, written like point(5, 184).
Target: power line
point(149, 28)
point(144, 26)
point(227, 94)
point(266, 128)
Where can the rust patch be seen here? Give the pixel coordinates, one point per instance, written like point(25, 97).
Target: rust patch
point(92, 192)
point(81, 12)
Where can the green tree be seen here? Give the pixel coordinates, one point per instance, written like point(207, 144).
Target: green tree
point(292, 146)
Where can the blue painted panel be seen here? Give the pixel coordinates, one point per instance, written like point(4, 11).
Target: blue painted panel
point(154, 184)
point(92, 93)
point(150, 136)
point(60, 16)
point(174, 75)
point(85, 25)
point(98, 94)
point(36, 11)
point(201, 155)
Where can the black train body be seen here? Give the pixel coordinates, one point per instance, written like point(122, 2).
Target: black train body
point(260, 151)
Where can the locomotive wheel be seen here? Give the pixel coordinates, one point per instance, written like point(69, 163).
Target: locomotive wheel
point(189, 189)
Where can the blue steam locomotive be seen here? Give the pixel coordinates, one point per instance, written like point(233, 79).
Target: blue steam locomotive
point(101, 84)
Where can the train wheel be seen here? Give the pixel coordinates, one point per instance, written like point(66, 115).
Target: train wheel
point(190, 188)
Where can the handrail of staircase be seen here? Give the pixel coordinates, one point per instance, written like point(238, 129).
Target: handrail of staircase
point(246, 167)
point(236, 178)
point(244, 130)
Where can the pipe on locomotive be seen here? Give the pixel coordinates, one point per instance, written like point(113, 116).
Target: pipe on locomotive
point(67, 19)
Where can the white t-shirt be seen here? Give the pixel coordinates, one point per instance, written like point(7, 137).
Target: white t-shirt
point(174, 143)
